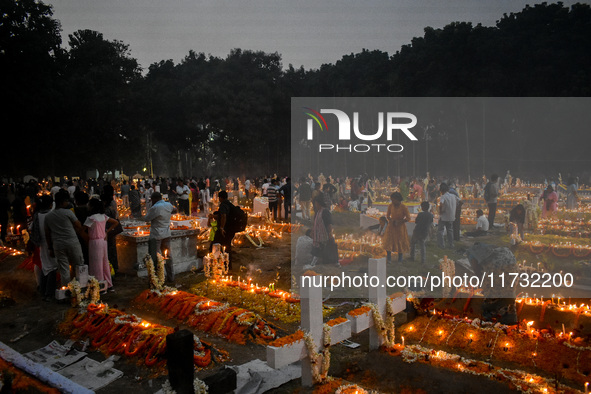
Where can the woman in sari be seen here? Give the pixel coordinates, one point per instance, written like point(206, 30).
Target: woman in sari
point(396, 237)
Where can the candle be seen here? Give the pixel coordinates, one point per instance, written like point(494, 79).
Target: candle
point(587, 388)
point(403, 341)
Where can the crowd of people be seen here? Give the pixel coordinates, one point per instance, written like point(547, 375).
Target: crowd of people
point(442, 197)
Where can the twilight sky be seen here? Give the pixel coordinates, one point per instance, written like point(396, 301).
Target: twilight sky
point(304, 32)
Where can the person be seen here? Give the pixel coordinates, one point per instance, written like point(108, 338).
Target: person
point(135, 202)
point(110, 207)
point(305, 196)
point(194, 198)
point(96, 227)
point(304, 247)
point(499, 301)
point(81, 211)
point(491, 195)
point(61, 227)
point(265, 187)
point(213, 220)
point(482, 225)
point(182, 192)
point(550, 202)
point(285, 191)
point(447, 216)
point(423, 223)
point(517, 218)
point(380, 228)
point(159, 241)
point(571, 194)
point(247, 189)
point(272, 197)
point(125, 188)
point(458, 219)
point(48, 263)
point(225, 226)
point(432, 191)
point(325, 247)
point(396, 236)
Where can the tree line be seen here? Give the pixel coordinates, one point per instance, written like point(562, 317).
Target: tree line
point(89, 105)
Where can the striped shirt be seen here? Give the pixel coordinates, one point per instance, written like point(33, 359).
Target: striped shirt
point(272, 193)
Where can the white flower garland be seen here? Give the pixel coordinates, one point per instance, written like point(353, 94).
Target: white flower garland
point(320, 362)
point(156, 278)
point(535, 383)
point(386, 329)
point(93, 290)
point(76, 291)
point(219, 308)
point(260, 245)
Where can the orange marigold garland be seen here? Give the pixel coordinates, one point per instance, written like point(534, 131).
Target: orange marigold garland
point(113, 331)
point(204, 314)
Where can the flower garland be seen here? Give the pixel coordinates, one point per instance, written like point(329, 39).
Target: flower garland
point(156, 278)
point(208, 315)
point(93, 290)
point(386, 329)
point(112, 331)
point(520, 380)
point(260, 245)
point(542, 349)
point(76, 292)
point(320, 362)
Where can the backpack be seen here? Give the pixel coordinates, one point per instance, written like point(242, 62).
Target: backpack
point(237, 220)
point(487, 192)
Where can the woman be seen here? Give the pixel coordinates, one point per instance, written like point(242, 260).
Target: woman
point(396, 237)
point(110, 209)
point(48, 263)
point(571, 194)
point(96, 227)
point(517, 219)
point(550, 202)
point(325, 247)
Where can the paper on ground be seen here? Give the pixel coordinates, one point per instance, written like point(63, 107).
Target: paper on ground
point(91, 374)
point(55, 356)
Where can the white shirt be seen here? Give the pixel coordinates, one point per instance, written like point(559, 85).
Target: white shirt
point(180, 190)
point(448, 202)
point(482, 223)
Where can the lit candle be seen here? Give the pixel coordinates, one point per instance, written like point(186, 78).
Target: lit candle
point(587, 388)
point(402, 341)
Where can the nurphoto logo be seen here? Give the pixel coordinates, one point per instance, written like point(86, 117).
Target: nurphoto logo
point(391, 119)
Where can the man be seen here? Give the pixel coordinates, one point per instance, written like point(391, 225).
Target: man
point(159, 217)
point(447, 216)
point(491, 194)
point(247, 188)
point(481, 225)
point(305, 196)
point(225, 225)
point(272, 197)
point(61, 227)
point(182, 192)
point(125, 193)
point(285, 190)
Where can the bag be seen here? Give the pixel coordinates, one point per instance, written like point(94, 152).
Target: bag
point(237, 220)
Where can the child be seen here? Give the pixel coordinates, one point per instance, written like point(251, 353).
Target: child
point(214, 233)
point(423, 222)
point(98, 262)
point(481, 225)
point(380, 228)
